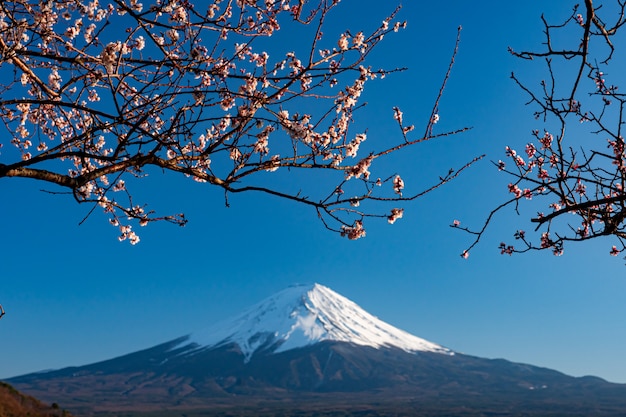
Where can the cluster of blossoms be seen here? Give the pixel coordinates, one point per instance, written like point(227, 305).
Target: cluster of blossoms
point(617, 146)
point(546, 164)
point(106, 103)
point(353, 232)
point(398, 185)
point(518, 192)
point(506, 249)
point(606, 91)
point(128, 233)
point(580, 20)
point(546, 242)
point(360, 169)
point(397, 115)
point(569, 171)
point(396, 214)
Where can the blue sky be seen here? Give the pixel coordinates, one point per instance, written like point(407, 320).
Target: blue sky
point(75, 295)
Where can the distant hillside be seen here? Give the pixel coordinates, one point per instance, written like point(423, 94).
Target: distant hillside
point(15, 404)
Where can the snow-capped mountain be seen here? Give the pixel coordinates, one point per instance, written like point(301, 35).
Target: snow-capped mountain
point(310, 351)
point(302, 315)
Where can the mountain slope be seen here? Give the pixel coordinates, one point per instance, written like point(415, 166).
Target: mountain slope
point(338, 374)
point(306, 347)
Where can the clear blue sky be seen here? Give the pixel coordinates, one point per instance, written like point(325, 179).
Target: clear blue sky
point(75, 295)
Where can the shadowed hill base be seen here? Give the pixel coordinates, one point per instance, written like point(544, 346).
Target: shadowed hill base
point(15, 404)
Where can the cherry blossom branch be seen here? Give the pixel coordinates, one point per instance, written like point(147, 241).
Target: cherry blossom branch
point(581, 185)
point(188, 89)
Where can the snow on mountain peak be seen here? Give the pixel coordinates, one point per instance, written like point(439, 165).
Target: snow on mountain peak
point(302, 315)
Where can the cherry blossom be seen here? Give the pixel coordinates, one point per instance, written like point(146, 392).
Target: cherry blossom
point(513, 188)
point(396, 214)
point(354, 232)
point(578, 168)
point(506, 249)
point(398, 185)
point(199, 90)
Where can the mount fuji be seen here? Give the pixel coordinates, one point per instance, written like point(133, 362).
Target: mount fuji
point(310, 351)
point(303, 315)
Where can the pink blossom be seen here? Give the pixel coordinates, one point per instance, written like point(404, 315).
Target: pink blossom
point(140, 43)
point(398, 185)
point(510, 152)
point(513, 188)
point(528, 194)
point(546, 141)
point(355, 232)
point(530, 150)
point(235, 154)
point(343, 42)
point(119, 186)
point(396, 213)
point(504, 249)
point(227, 103)
point(555, 206)
point(353, 147)
point(358, 40)
point(553, 160)
point(261, 145)
point(127, 233)
point(397, 115)
point(93, 96)
point(361, 168)
point(580, 20)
